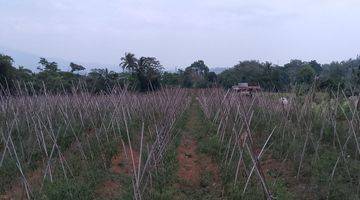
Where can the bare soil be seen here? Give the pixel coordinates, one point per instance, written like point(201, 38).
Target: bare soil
point(121, 163)
point(108, 189)
point(198, 174)
point(189, 161)
point(285, 170)
point(18, 191)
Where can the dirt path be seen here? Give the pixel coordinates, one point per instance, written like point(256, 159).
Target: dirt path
point(189, 162)
point(198, 174)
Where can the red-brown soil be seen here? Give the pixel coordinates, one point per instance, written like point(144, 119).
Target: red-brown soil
point(108, 189)
point(189, 166)
point(210, 166)
point(122, 163)
point(17, 190)
point(192, 165)
point(285, 171)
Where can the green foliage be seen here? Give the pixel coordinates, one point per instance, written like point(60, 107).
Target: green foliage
point(280, 191)
point(47, 66)
point(103, 80)
point(269, 77)
point(146, 73)
point(305, 75)
point(333, 76)
point(7, 173)
point(210, 145)
point(68, 189)
point(254, 190)
point(65, 140)
point(7, 71)
point(235, 192)
point(206, 178)
point(323, 166)
point(146, 69)
point(24, 75)
point(344, 110)
point(170, 79)
point(166, 177)
point(75, 67)
point(197, 75)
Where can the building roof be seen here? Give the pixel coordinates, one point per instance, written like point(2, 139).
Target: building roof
point(246, 87)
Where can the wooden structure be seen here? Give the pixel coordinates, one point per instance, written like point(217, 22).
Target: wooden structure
point(246, 88)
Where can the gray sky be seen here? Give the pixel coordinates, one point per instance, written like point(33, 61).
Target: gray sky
point(221, 32)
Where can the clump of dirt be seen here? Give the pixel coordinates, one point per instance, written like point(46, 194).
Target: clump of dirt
point(195, 169)
point(274, 169)
point(189, 167)
point(108, 189)
point(18, 191)
point(90, 132)
point(209, 166)
point(282, 169)
point(122, 163)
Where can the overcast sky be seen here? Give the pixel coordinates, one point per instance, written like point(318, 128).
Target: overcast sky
point(220, 32)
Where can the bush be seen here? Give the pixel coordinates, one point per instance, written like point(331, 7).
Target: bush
point(210, 146)
point(68, 189)
point(8, 171)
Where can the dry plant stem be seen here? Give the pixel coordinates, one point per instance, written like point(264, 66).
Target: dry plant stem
point(141, 147)
point(135, 183)
point(258, 158)
point(48, 117)
point(303, 153)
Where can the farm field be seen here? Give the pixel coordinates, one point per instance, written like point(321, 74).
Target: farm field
point(178, 144)
point(179, 100)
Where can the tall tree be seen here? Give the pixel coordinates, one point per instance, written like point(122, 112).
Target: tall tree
point(7, 71)
point(169, 78)
point(316, 66)
point(49, 78)
point(305, 75)
point(47, 66)
point(146, 69)
point(196, 75)
point(75, 67)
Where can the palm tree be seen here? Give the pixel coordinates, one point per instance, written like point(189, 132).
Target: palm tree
point(129, 62)
point(146, 69)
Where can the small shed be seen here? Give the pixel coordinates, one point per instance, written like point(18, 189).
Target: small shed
point(246, 88)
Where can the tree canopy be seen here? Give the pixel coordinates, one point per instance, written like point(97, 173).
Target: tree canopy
point(147, 74)
point(146, 69)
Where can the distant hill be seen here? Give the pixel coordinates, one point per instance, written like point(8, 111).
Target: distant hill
point(30, 61)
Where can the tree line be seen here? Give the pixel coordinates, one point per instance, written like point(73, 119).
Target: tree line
point(147, 74)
